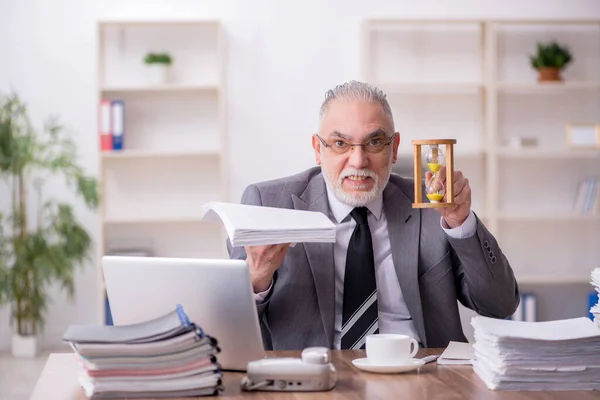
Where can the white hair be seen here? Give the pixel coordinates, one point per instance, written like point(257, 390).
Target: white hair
point(354, 90)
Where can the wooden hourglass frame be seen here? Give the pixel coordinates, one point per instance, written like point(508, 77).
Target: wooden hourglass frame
point(449, 184)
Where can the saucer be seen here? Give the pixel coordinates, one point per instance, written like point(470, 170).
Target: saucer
point(403, 366)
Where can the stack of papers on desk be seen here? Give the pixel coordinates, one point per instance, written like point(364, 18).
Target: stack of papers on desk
point(553, 355)
point(165, 357)
point(595, 310)
point(248, 225)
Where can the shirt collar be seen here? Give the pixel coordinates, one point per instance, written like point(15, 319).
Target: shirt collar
point(341, 210)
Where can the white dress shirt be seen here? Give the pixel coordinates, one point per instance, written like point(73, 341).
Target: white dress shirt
point(394, 316)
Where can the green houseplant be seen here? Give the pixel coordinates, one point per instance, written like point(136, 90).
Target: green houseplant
point(158, 65)
point(41, 241)
point(158, 58)
point(549, 60)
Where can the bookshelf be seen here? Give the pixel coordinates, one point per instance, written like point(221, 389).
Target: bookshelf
point(174, 155)
point(471, 80)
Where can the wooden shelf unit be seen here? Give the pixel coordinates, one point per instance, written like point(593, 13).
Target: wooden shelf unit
point(174, 156)
point(471, 80)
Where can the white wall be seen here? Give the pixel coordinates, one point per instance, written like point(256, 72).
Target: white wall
point(282, 55)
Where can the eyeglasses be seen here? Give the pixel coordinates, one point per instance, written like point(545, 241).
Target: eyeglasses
point(373, 146)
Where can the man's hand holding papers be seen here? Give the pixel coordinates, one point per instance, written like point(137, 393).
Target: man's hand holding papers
point(266, 233)
point(263, 261)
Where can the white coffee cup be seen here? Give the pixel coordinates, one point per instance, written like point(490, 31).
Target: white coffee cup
point(390, 349)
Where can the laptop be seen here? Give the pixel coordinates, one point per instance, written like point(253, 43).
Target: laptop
point(216, 294)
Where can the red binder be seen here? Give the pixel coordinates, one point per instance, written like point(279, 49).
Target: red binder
point(106, 136)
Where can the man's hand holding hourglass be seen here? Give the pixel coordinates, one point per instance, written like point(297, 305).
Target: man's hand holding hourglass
point(453, 216)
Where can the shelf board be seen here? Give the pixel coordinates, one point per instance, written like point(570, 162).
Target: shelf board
point(549, 217)
point(162, 88)
point(543, 21)
point(407, 153)
point(137, 154)
point(155, 220)
point(158, 22)
point(431, 88)
point(546, 87)
point(538, 153)
point(419, 21)
point(552, 279)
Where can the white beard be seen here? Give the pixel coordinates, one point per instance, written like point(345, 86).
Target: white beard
point(356, 199)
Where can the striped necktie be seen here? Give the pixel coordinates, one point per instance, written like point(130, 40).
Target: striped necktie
point(359, 316)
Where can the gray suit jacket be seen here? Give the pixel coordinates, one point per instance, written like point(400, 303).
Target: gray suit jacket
point(433, 269)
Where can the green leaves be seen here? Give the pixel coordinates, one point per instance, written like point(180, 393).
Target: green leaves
point(88, 189)
point(4, 286)
point(158, 58)
point(34, 256)
point(550, 55)
point(17, 137)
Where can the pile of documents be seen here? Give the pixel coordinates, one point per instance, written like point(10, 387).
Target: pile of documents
point(552, 355)
point(165, 357)
point(248, 225)
point(595, 310)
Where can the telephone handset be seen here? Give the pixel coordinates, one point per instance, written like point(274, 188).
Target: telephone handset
point(313, 372)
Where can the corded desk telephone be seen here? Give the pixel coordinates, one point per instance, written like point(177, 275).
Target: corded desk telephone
point(313, 372)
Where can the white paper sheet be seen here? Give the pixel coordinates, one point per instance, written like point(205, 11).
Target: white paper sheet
point(258, 225)
point(457, 353)
point(550, 355)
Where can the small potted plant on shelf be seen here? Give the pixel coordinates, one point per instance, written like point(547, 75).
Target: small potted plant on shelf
point(550, 60)
point(41, 241)
point(158, 65)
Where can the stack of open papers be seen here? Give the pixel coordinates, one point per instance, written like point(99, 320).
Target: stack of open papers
point(553, 355)
point(248, 225)
point(595, 310)
point(165, 357)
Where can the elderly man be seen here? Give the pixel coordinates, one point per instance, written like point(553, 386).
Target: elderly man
point(393, 269)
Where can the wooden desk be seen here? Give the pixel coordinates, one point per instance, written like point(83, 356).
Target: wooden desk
point(58, 381)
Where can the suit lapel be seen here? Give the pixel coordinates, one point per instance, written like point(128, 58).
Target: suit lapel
point(404, 230)
point(320, 255)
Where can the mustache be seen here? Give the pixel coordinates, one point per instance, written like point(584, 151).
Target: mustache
point(358, 172)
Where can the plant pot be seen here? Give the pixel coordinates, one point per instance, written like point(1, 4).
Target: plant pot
point(158, 74)
point(24, 346)
point(547, 74)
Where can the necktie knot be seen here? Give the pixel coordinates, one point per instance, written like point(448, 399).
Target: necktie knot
point(360, 215)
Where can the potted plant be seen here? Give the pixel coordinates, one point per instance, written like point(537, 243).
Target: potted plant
point(550, 60)
point(158, 65)
point(41, 241)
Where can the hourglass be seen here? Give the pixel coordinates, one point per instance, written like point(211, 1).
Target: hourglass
point(435, 159)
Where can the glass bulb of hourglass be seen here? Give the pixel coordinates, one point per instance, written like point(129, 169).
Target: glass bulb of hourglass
point(435, 159)
point(435, 190)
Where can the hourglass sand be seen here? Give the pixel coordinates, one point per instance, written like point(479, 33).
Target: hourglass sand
point(435, 159)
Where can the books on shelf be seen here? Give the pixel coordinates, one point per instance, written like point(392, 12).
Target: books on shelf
point(587, 200)
point(112, 124)
point(595, 308)
point(130, 251)
point(169, 356)
point(526, 311)
point(551, 355)
point(249, 225)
